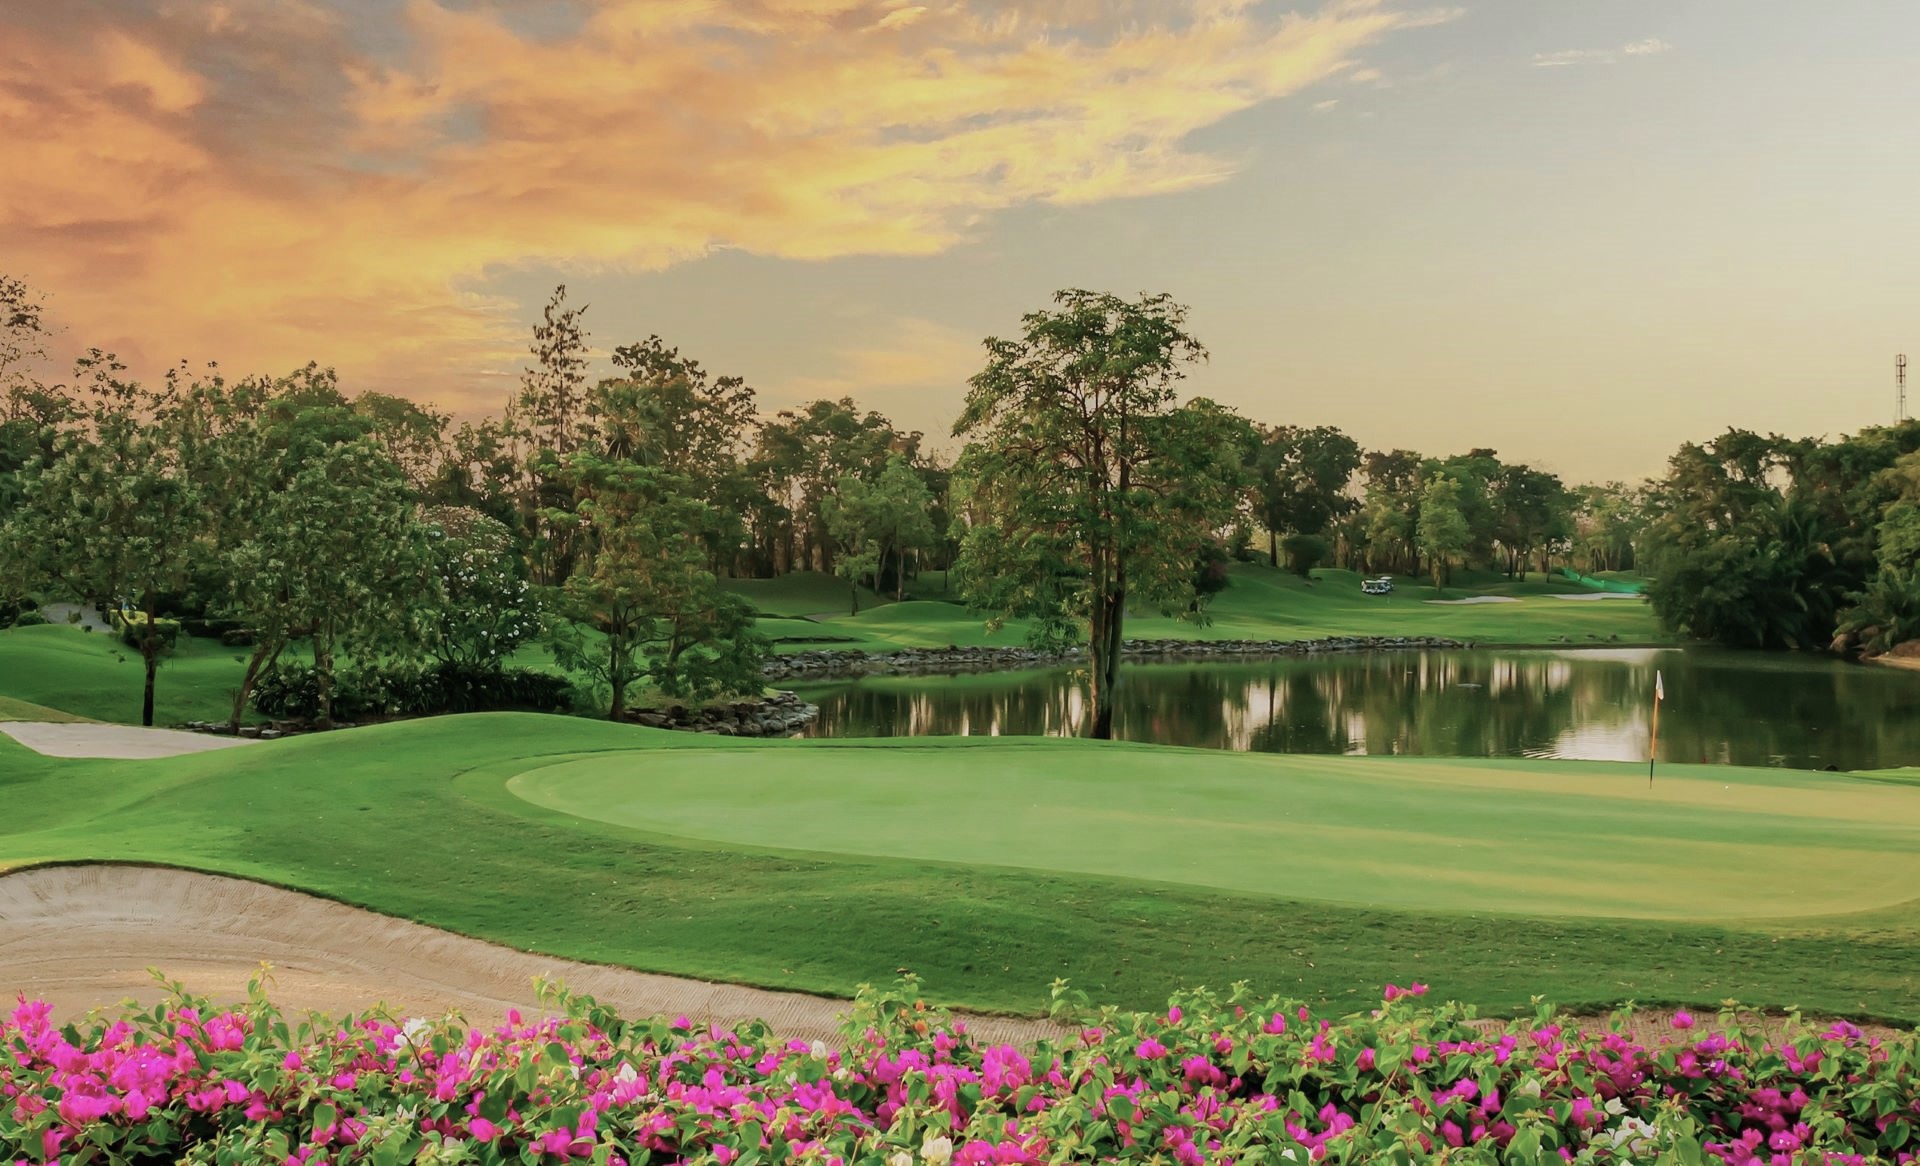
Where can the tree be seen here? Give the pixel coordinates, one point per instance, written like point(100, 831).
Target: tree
point(413, 435)
point(878, 523)
point(546, 420)
point(643, 585)
point(666, 411)
point(337, 555)
point(1300, 481)
point(1443, 531)
point(1392, 509)
point(1531, 509)
point(800, 459)
point(485, 608)
point(115, 518)
point(1089, 486)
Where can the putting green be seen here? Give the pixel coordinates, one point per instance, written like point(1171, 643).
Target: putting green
point(1519, 837)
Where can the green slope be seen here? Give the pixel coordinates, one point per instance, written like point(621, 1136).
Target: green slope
point(817, 866)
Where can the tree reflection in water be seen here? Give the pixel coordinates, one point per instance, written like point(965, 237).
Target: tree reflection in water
point(1721, 707)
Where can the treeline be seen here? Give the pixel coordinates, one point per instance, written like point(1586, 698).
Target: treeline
point(599, 515)
point(1775, 542)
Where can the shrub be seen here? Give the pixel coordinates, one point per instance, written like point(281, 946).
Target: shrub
point(395, 690)
point(1305, 552)
point(132, 626)
point(238, 637)
point(29, 619)
point(1210, 1080)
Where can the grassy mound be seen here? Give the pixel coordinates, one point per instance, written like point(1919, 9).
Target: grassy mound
point(969, 877)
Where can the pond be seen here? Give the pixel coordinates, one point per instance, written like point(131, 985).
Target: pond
point(1722, 707)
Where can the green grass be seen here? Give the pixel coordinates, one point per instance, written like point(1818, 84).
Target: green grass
point(801, 594)
point(23, 710)
point(94, 675)
point(1265, 604)
point(989, 867)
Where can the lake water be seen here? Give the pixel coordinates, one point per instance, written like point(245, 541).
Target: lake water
point(1724, 707)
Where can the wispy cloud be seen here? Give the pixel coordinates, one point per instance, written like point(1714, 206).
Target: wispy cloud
point(268, 181)
point(1651, 46)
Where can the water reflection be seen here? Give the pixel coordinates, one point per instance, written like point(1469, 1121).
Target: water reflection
point(1723, 707)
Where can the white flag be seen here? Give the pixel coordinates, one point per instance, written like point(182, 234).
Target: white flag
point(1659, 690)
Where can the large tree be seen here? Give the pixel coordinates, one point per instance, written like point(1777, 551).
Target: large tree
point(1091, 488)
point(116, 517)
point(801, 457)
point(877, 523)
point(643, 530)
point(1443, 533)
point(546, 421)
point(337, 555)
point(1300, 481)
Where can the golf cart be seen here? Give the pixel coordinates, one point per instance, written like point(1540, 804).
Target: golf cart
point(1381, 586)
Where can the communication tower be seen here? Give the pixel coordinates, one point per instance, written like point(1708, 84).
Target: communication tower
point(1899, 388)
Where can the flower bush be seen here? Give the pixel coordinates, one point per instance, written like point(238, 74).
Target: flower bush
point(1212, 1080)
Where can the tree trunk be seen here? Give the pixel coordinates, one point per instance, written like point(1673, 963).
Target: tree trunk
point(257, 663)
point(323, 673)
point(616, 678)
point(1103, 657)
point(150, 656)
point(900, 576)
point(1273, 549)
point(853, 591)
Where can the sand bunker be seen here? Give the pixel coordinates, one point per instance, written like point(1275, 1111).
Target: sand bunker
point(84, 936)
point(116, 741)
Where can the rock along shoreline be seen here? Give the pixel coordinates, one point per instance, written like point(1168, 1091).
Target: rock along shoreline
point(831, 664)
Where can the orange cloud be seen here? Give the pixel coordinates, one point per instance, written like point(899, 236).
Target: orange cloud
point(268, 181)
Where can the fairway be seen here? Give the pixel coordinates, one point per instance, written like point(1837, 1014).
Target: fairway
point(1520, 837)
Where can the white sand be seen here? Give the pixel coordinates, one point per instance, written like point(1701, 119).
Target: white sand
point(127, 742)
point(81, 937)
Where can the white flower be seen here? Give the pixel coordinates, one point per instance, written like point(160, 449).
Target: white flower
point(1615, 1106)
point(413, 1028)
point(818, 1048)
point(842, 1073)
point(937, 1151)
point(625, 1075)
point(900, 1158)
point(1528, 1088)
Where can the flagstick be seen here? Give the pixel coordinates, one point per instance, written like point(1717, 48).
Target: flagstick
point(1653, 741)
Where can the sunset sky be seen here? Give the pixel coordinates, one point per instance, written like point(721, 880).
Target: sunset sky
point(1577, 231)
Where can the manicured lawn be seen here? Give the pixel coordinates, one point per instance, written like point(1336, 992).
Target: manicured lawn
point(977, 863)
point(802, 593)
point(1262, 603)
point(94, 675)
point(1573, 838)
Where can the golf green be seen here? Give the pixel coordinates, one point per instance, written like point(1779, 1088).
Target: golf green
point(1522, 837)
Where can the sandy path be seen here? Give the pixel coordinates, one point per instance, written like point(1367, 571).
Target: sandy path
point(83, 936)
point(127, 742)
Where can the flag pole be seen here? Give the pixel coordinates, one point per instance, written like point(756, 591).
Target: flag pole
point(1653, 739)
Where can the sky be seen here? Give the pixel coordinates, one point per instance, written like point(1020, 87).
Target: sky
point(1575, 231)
